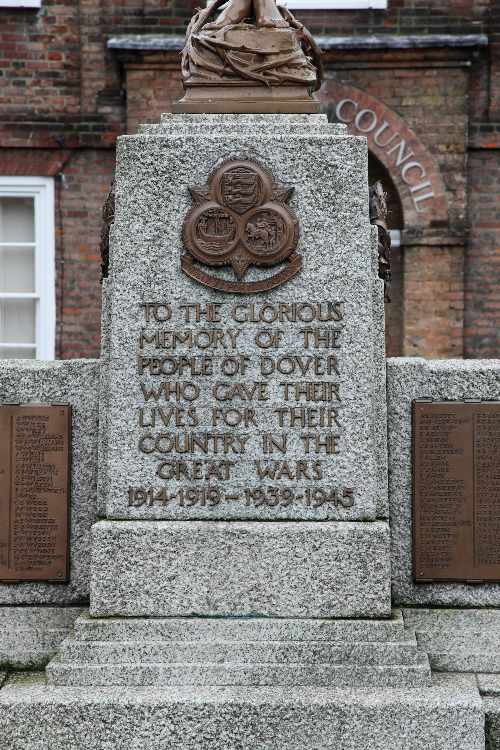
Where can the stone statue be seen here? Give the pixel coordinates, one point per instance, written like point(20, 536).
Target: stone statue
point(378, 217)
point(266, 14)
point(108, 217)
point(252, 57)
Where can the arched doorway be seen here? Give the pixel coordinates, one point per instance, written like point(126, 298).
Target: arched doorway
point(394, 310)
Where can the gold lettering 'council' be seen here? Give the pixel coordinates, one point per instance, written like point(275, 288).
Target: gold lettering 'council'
point(241, 403)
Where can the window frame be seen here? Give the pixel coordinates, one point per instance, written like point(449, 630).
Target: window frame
point(20, 4)
point(337, 4)
point(41, 189)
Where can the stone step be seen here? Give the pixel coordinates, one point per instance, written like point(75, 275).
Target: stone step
point(475, 653)
point(234, 629)
point(458, 640)
point(273, 652)
point(446, 716)
point(30, 636)
point(332, 675)
point(448, 621)
point(239, 651)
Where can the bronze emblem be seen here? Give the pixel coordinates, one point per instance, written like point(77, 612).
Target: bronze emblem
point(240, 219)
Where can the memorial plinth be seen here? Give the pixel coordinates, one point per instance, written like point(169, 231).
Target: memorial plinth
point(243, 392)
point(236, 405)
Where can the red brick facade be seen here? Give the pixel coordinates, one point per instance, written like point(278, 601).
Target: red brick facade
point(429, 105)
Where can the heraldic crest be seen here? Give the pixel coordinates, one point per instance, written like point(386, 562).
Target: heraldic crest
point(240, 219)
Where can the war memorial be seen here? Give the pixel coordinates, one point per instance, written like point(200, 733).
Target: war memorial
point(243, 527)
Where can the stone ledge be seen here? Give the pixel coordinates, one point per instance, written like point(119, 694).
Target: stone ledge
point(416, 676)
point(30, 636)
point(458, 640)
point(448, 716)
point(240, 630)
point(197, 568)
point(166, 42)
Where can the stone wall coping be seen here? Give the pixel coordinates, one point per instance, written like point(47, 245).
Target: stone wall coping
point(444, 364)
point(381, 41)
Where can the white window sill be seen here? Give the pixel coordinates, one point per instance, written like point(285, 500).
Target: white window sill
point(20, 4)
point(336, 4)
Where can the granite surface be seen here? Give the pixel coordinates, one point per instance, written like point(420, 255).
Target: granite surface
point(236, 630)
point(458, 640)
point(414, 378)
point(204, 568)
point(73, 382)
point(160, 674)
point(30, 636)
point(447, 716)
point(102, 445)
point(154, 171)
point(238, 651)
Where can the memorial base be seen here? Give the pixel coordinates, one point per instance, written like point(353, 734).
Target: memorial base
point(446, 716)
point(240, 569)
point(232, 651)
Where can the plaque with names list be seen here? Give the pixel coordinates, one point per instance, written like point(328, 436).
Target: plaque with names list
point(456, 491)
point(35, 448)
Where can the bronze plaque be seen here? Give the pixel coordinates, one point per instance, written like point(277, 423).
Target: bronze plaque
point(34, 492)
point(240, 219)
point(456, 491)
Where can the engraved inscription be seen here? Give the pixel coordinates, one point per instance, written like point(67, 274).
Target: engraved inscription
point(34, 492)
point(241, 403)
point(456, 491)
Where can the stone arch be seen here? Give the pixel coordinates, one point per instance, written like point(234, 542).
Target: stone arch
point(413, 169)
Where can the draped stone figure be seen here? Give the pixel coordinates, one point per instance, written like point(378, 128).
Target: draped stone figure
point(254, 56)
point(378, 217)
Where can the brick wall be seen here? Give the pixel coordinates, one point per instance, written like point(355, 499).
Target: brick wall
point(403, 17)
point(55, 59)
point(482, 279)
point(152, 88)
point(79, 199)
point(40, 59)
point(433, 302)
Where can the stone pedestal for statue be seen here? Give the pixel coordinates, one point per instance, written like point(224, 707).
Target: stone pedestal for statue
point(240, 591)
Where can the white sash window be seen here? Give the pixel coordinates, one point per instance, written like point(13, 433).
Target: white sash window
point(27, 278)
